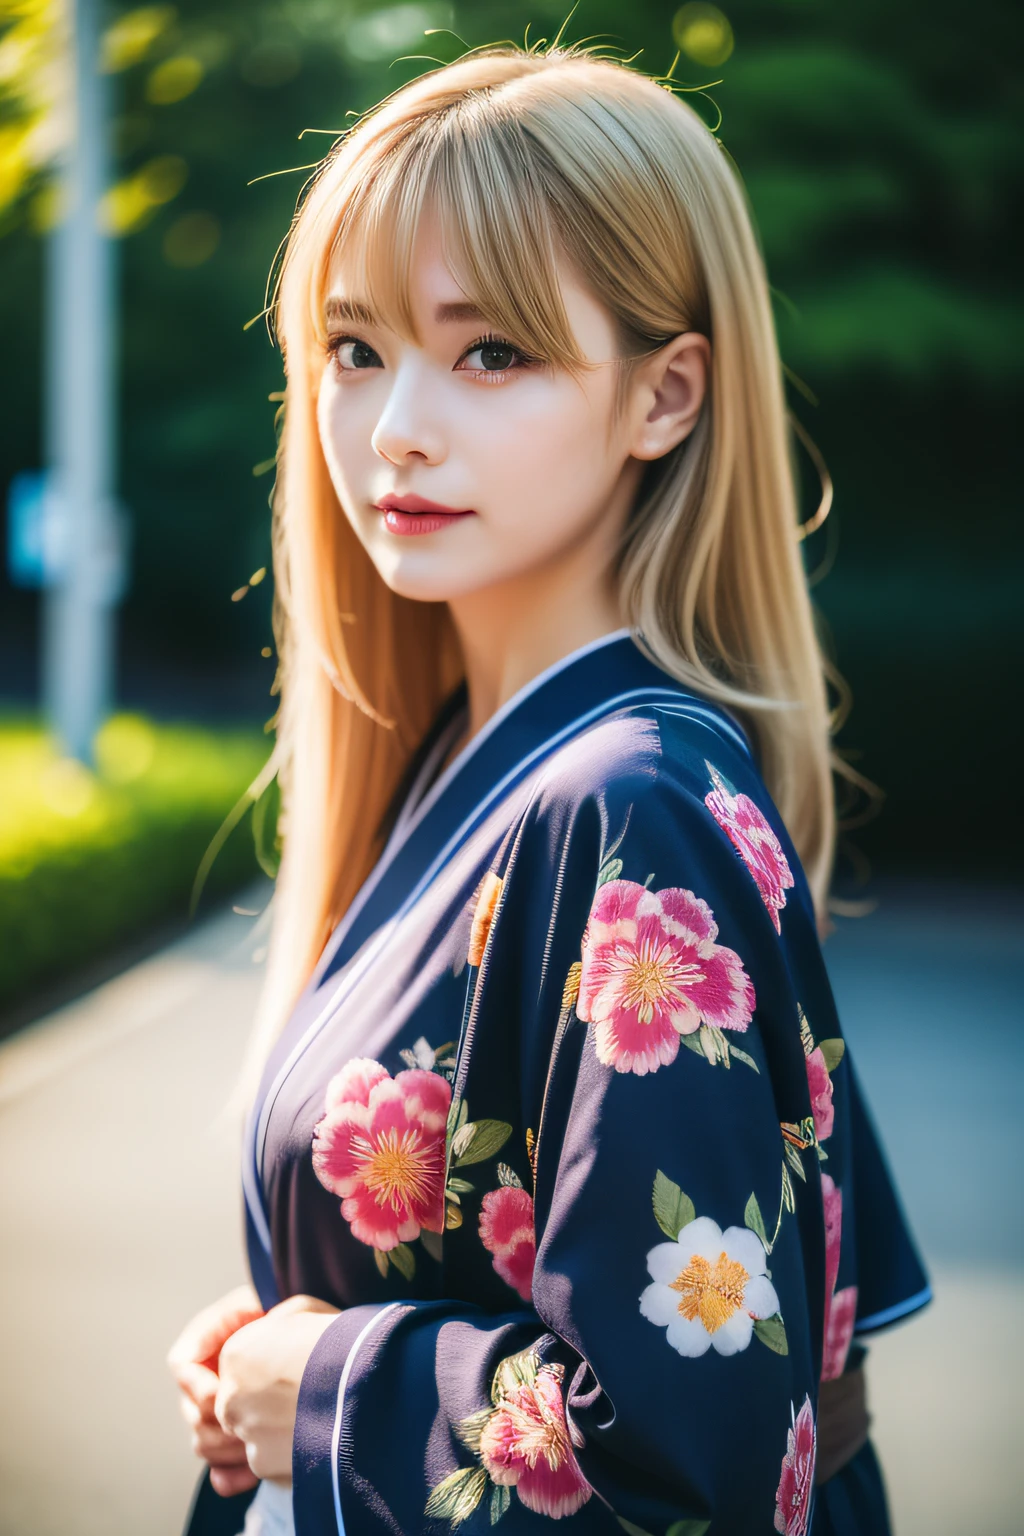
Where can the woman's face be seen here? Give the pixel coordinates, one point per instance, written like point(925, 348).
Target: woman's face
point(460, 463)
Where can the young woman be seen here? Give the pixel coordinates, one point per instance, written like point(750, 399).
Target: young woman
point(562, 1201)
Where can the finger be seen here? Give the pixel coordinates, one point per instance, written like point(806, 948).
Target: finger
point(223, 1410)
point(233, 1312)
point(218, 1448)
point(224, 1451)
point(231, 1480)
point(197, 1381)
point(301, 1303)
point(202, 1338)
point(198, 1409)
point(256, 1454)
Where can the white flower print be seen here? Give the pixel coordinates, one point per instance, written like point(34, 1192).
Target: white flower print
point(708, 1288)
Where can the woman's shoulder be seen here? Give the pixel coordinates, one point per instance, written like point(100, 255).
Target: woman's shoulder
point(671, 753)
point(682, 784)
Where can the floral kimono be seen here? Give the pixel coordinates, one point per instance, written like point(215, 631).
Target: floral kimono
point(565, 1125)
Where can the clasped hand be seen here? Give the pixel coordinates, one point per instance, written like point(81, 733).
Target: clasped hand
point(239, 1370)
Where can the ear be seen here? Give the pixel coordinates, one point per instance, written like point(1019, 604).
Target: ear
point(669, 392)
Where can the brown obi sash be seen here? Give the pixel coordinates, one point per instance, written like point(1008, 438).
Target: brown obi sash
point(843, 1422)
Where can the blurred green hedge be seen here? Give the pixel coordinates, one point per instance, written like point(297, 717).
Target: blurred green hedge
point(89, 860)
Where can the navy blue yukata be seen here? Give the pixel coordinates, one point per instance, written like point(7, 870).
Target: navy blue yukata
point(565, 1125)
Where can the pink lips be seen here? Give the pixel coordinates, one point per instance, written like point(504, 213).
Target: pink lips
point(415, 514)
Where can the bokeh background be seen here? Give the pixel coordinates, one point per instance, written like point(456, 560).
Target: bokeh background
point(882, 148)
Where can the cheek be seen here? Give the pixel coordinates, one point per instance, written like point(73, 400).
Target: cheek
point(546, 459)
point(345, 423)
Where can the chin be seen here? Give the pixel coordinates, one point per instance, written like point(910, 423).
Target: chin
point(426, 580)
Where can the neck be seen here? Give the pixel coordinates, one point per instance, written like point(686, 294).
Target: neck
point(512, 632)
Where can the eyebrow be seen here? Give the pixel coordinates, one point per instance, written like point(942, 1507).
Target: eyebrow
point(336, 309)
point(460, 311)
point(347, 309)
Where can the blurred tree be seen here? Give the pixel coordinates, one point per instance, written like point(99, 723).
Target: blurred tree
point(883, 155)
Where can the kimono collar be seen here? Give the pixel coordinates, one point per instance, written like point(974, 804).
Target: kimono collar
point(604, 675)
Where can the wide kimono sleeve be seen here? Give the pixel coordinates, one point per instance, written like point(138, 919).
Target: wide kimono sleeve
point(663, 1249)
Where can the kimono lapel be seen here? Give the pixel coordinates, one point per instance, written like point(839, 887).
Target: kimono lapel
point(594, 681)
point(608, 674)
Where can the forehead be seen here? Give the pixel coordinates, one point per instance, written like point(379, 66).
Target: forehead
point(372, 282)
point(412, 268)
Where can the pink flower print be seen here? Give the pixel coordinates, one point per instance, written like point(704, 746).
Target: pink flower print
point(820, 1084)
point(840, 1318)
point(652, 971)
point(793, 1499)
point(506, 1231)
point(751, 835)
point(525, 1444)
point(380, 1146)
point(354, 1083)
point(832, 1200)
point(840, 1306)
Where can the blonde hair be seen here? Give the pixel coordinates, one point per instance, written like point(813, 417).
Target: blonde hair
point(530, 158)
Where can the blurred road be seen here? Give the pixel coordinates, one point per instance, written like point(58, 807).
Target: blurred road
point(120, 1215)
point(929, 990)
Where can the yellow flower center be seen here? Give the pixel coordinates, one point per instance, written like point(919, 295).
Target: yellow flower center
point(537, 1433)
point(654, 975)
point(712, 1292)
point(396, 1168)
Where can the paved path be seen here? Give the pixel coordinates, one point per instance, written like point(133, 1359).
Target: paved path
point(120, 1217)
point(929, 989)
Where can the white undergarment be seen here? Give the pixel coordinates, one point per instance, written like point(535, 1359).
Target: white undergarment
point(270, 1513)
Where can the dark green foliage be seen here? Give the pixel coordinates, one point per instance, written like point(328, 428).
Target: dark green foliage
point(882, 151)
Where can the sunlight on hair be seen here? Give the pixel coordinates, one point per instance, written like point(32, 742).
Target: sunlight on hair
point(533, 156)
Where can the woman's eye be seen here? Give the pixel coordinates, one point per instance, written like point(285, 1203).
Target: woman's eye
point(492, 357)
point(351, 353)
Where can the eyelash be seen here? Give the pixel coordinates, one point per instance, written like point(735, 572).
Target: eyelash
point(488, 375)
point(335, 344)
point(496, 375)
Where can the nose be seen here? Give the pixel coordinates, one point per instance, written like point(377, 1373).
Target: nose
point(407, 427)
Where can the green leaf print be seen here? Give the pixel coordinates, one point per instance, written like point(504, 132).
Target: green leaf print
point(772, 1331)
point(458, 1495)
point(403, 1259)
point(754, 1220)
point(501, 1498)
point(672, 1209)
point(479, 1140)
point(833, 1051)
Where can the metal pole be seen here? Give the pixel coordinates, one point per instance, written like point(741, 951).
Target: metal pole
point(78, 623)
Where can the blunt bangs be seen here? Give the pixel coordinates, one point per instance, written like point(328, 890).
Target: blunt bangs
point(474, 169)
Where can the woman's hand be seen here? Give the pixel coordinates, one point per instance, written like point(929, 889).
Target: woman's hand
point(260, 1371)
point(194, 1363)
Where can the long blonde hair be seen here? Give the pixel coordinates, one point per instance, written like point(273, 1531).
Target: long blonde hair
point(532, 157)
